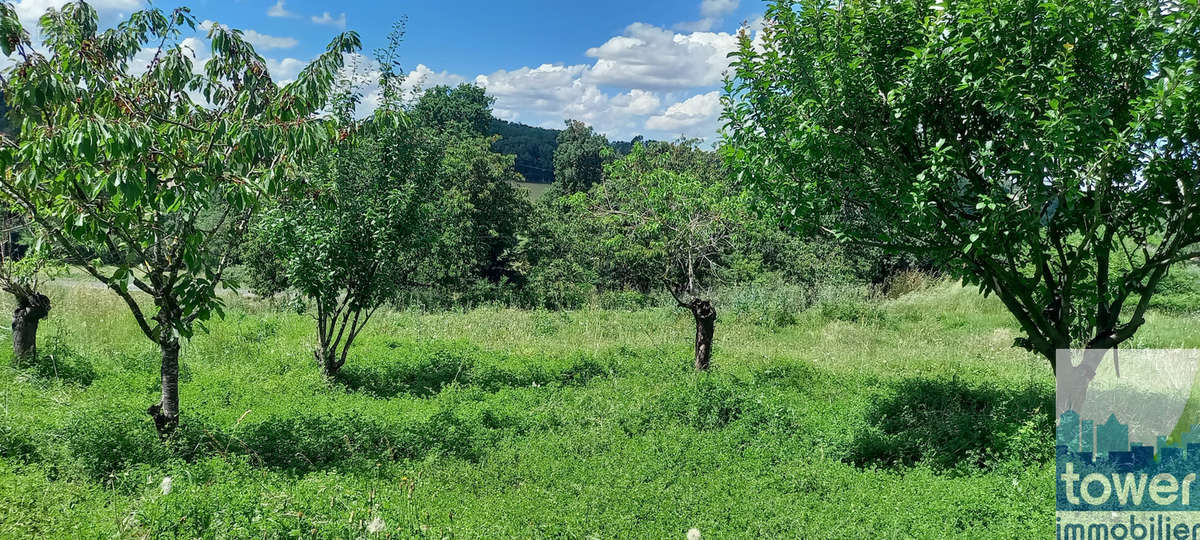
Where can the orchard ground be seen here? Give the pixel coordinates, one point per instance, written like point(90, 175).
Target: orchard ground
point(888, 418)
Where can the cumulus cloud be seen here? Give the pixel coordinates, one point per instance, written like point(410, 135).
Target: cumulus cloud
point(717, 8)
point(326, 18)
point(260, 41)
point(284, 71)
point(636, 102)
point(30, 12)
point(693, 115)
point(278, 10)
point(712, 12)
point(651, 57)
point(422, 78)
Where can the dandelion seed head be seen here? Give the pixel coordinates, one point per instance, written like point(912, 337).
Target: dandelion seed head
point(376, 525)
point(693, 534)
point(165, 485)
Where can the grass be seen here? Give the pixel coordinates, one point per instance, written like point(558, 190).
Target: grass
point(903, 418)
point(534, 189)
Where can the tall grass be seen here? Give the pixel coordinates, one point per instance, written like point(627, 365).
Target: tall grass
point(828, 415)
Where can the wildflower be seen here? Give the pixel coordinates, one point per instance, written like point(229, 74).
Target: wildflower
point(376, 525)
point(1069, 46)
point(693, 534)
point(166, 485)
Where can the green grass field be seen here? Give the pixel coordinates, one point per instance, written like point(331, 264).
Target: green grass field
point(535, 190)
point(892, 419)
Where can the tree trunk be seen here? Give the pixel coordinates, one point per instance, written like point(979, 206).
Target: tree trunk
point(327, 360)
point(1072, 381)
point(166, 411)
point(27, 315)
point(706, 318)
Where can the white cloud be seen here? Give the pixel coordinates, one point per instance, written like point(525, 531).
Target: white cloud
point(651, 57)
point(637, 102)
point(712, 12)
point(423, 78)
point(326, 18)
point(264, 42)
point(31, 11)
point(693, 115)
point(717, 8)
point(278, 10)
point(261, 42)
point(284, 71)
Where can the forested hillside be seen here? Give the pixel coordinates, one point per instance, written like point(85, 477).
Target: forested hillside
point(534, 148)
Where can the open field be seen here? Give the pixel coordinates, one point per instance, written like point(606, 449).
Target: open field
point(535, 190)
point(910, 417)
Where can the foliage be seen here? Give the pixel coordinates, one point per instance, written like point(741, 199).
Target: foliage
point(465, 108)
point(135, 163)
point(361, 231)
point(666, 218)
point(612, 424)
point(533, 148)
point(580, 157)
point(480, 211)
point(1026, 145)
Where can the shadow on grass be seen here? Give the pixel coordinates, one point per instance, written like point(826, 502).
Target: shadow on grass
point(106, 441)
point(952, 425)
point(57, 361)
point(423, 371)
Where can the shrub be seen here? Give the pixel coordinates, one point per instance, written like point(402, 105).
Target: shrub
point(850, 305)
point(949, 424)
point(772, 304)
point(107, 440)
point(707, 401)
point(56, 360)
point(1179, 291)
point(16, 442)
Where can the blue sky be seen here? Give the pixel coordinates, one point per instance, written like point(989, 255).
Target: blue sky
point(627, 67)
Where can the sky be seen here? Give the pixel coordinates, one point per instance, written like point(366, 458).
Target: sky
point(626, 67)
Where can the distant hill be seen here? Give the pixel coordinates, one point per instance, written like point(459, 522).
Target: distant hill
point(534, 148)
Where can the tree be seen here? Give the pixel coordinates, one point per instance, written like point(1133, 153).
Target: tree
point(533, 148)
point(353, 240)
point(676, 220)
point(159, 166)
point(480, 209)
point(466, 108)
point(580, 157)
point(359, 233)
point(1045, 151)
point(21, 274)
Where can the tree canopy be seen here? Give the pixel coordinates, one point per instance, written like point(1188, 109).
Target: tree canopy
point(156, 165)
point(1045, 151)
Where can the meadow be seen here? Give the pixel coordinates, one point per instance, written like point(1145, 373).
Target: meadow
point(908, 417)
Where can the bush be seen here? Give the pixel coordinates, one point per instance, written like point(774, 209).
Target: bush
point(773, 304)
point(16, 442)
point(625, 300)
point(56, 360)
point(949, 424)
point(905, 282)
point(707, 402)
point(107, 440)
point(559, 284)
point(1179, 291)
point(312, 441)
point(850, 304)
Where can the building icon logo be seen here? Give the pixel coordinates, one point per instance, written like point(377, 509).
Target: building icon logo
point(1128, 447)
